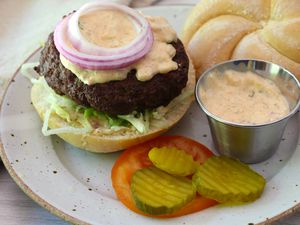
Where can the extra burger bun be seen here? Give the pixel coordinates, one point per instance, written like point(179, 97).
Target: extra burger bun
point(219, 30)
point(103, 142)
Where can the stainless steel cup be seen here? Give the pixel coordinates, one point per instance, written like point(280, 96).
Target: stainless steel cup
point(252, 143)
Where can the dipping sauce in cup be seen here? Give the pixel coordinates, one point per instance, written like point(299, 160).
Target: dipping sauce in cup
point(243, 97)
point(248, 104)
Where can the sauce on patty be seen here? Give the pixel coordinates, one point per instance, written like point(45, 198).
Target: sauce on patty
point(244, 98)
point(112, 29)
point(107, 28)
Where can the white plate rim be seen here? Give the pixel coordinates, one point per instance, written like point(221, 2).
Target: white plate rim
point(18, 180)
point(60, 213)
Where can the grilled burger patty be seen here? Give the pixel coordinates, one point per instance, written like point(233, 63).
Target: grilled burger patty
point(115, 97)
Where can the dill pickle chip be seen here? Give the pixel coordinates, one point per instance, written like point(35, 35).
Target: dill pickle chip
point(228, 180)
point(157, 192)
point(173, 161)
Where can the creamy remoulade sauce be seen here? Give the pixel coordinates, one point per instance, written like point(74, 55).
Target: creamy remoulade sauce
point(244, 98)
point(157, 60)
point(101, 27)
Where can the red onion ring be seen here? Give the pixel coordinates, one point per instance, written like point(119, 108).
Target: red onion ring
point(95, 57)
point(78, 39)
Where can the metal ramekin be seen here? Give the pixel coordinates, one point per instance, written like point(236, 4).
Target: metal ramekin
point(252, 143)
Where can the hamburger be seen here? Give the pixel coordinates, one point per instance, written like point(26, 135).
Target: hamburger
point(111, 78)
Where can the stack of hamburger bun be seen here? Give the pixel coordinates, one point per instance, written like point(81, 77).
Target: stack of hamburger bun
point(218, 30)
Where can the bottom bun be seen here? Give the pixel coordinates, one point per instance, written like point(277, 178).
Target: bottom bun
point(96, 141)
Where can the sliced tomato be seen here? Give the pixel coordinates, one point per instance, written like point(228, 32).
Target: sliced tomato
point(136, 158)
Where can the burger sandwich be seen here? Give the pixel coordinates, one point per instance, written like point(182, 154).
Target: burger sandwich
point(110, 78)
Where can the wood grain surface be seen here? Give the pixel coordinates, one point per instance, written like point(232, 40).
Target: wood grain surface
point(15, 207)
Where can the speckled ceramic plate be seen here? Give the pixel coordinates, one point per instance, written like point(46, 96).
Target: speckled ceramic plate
point(76, 185)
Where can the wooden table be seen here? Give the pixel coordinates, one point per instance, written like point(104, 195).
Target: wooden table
point(15, 207)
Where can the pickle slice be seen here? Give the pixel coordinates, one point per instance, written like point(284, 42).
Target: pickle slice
point(156, 192)
point(173, 161)
point(228, 180)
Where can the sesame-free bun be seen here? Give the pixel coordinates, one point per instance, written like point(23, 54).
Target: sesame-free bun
point(219, 30)
point(96, 141)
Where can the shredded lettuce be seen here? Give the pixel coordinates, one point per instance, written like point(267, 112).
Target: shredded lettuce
point(80, 118)
point(117, 122)
point(61, 112)
point(66, 129)
point(28, 71)
point(90, 112)
point(73, 113)
point(139, 120)
point(61, 105)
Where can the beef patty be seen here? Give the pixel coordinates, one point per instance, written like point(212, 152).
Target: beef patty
point(115, 97)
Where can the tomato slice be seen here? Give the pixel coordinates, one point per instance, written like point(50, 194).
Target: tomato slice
point(136, 158)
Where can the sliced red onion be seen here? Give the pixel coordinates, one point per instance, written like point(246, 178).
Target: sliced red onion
point(72, 45)
point(81, 44)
